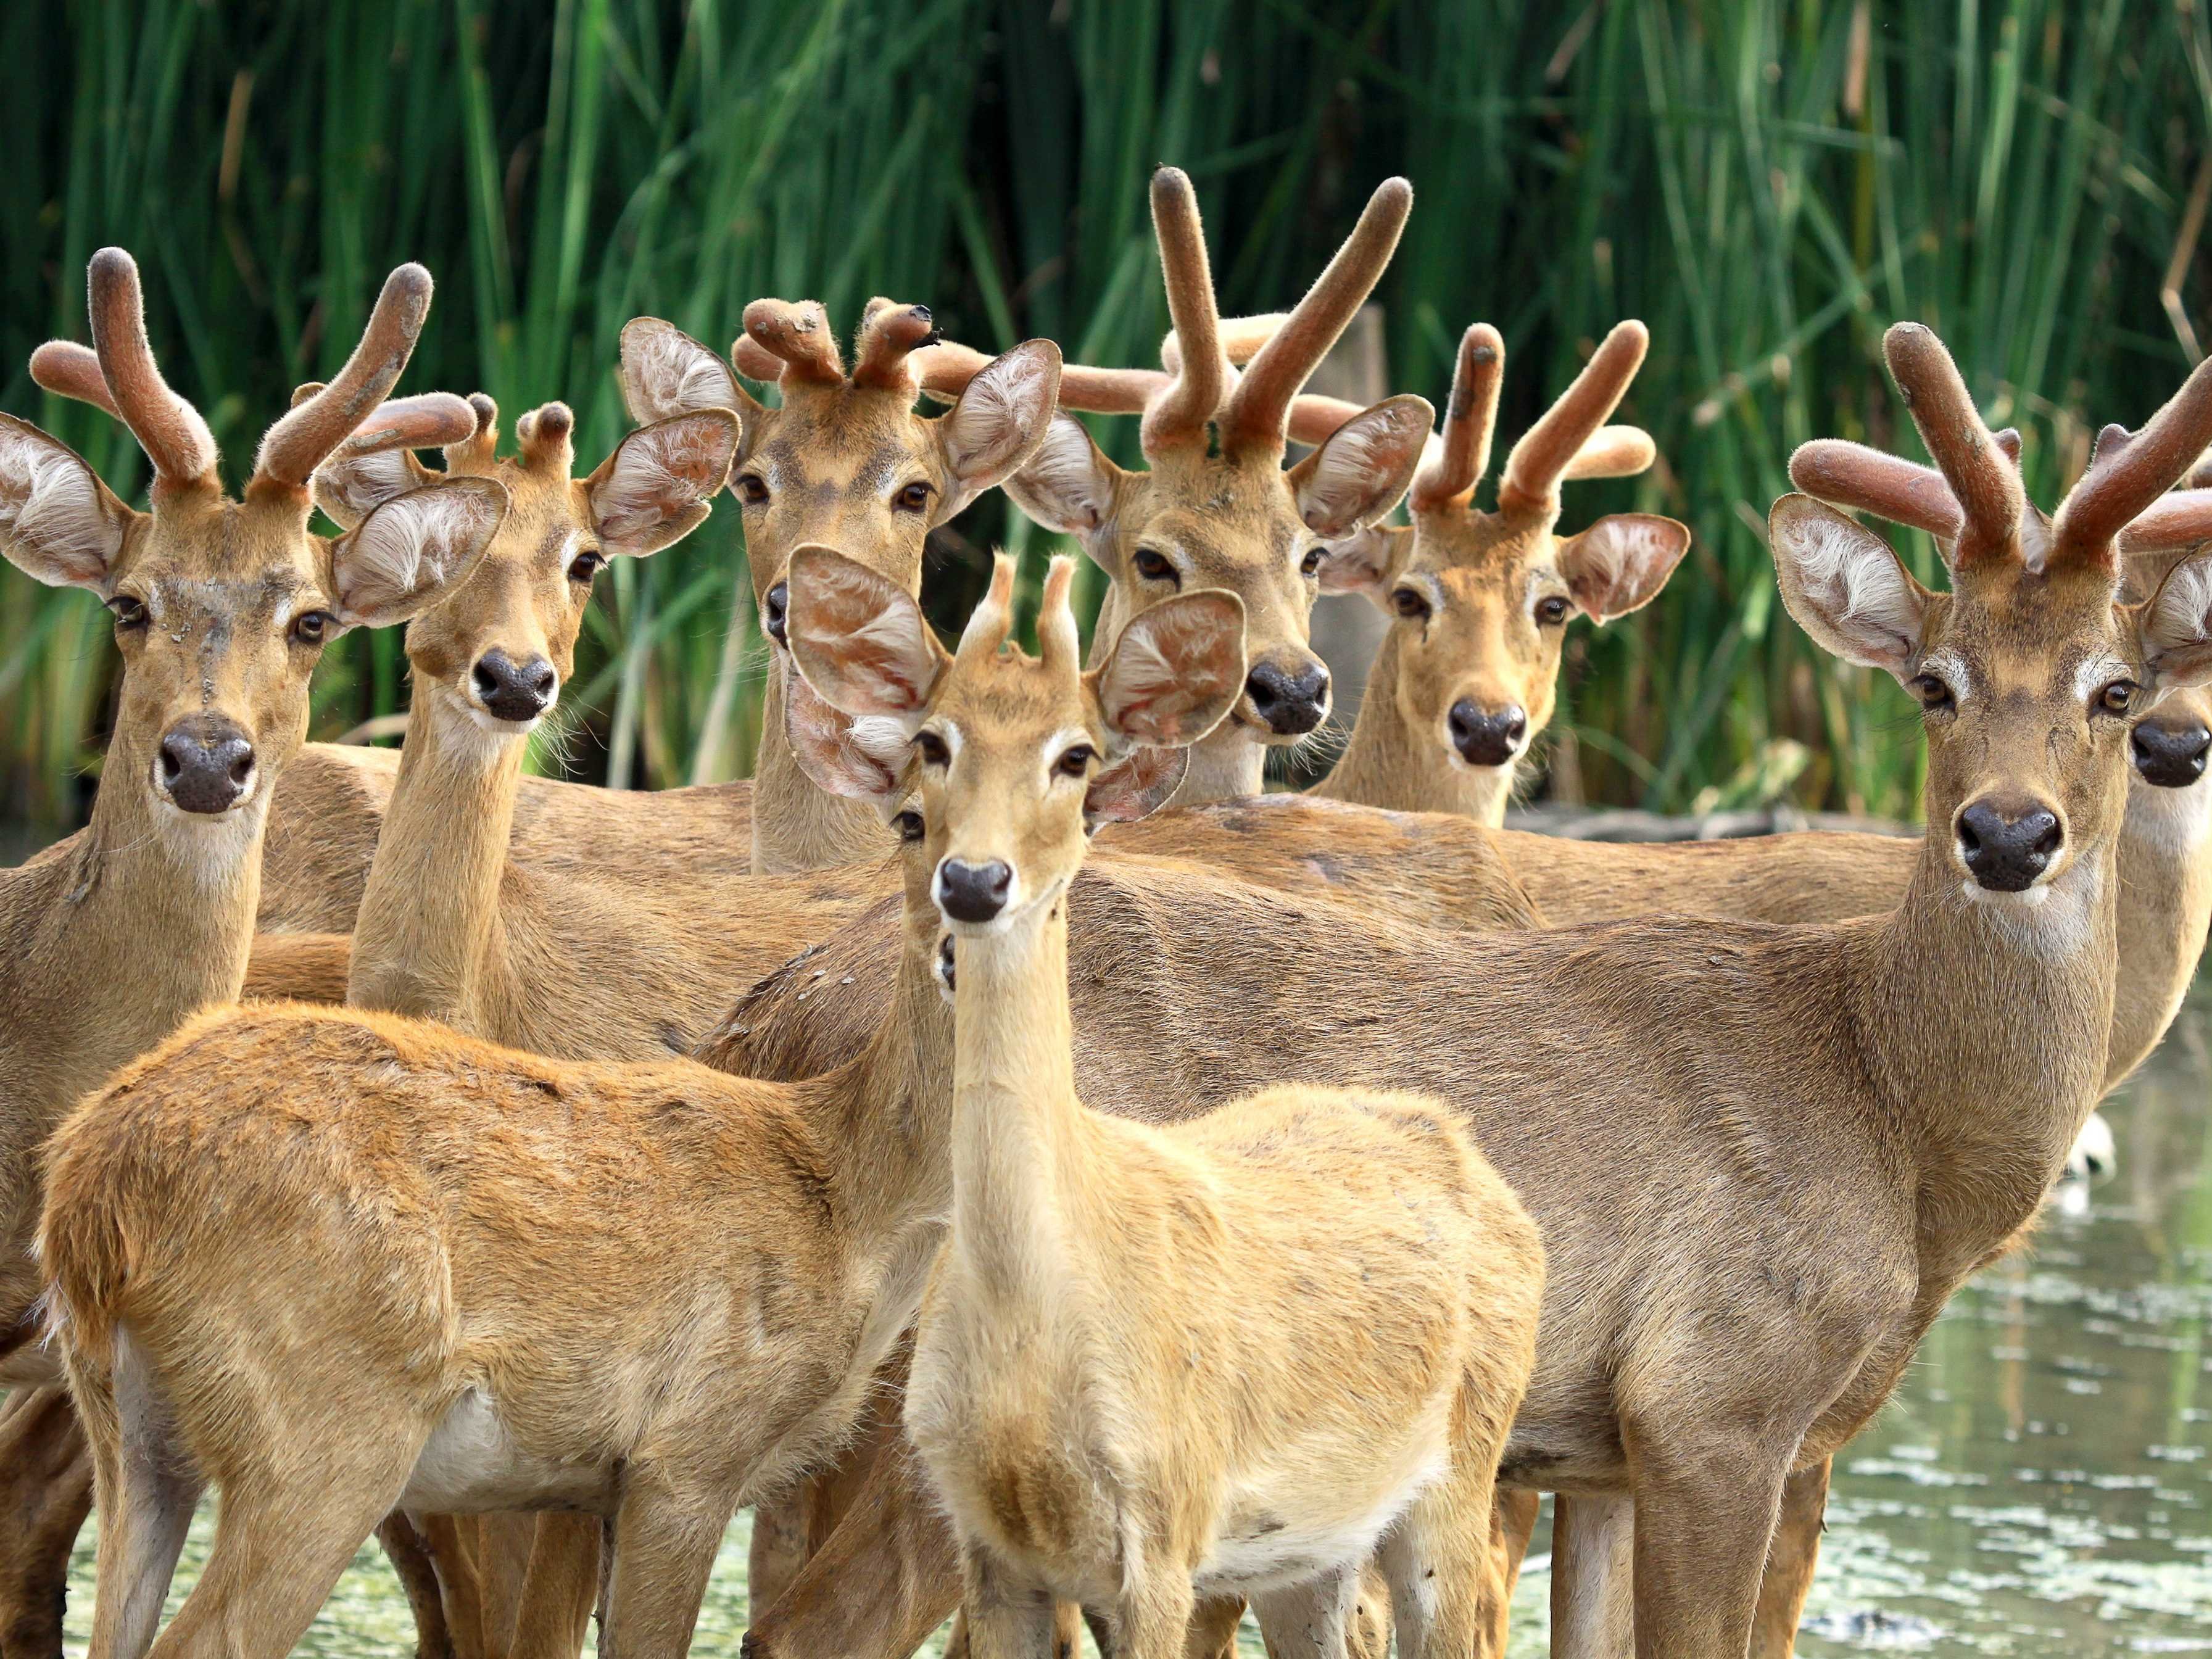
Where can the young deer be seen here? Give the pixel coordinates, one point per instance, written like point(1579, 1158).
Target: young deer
point(1466, 675)
point(1292, 1391)
point(520, 1326)
point(1217, 507)
point(222, 607)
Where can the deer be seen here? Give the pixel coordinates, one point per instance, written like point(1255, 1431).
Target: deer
point(1080, 1407)
point(893, 1521)
point(715, 1329)
point(222, 606)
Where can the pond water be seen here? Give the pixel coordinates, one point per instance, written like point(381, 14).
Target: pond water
point(2042, 1483)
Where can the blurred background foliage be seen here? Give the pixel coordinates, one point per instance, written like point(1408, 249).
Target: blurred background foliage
point(1768, 183)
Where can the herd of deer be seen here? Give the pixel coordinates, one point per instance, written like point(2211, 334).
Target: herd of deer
point(1261, 1203)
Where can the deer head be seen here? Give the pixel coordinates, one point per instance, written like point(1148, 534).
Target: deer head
point(2171, 742)
point(2033, 668)
point(1216, 509)
point(1480, 600)
point(222, 606)
point(501, 645)
point(996, 764)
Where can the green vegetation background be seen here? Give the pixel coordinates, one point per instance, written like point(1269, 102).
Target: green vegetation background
point(1767, 184)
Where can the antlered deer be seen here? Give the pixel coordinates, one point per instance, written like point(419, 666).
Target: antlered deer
point(222, 607)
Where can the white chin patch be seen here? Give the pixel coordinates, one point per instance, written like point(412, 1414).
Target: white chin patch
point(2029, 898)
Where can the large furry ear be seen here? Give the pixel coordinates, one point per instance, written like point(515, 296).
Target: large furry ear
point(1175, 671)
point(1367, 561)
point(413, 550)
point(1364, 468)
point(1135, 786)
point(349, 488)
point(666, 373)
point(1069, 485)
point(655, 489)
point(859, 638)
point(2176, 626)
point(1846, 587)
point(1620, 562)
point(863, 758)
point(58, 523)
point(999, 421)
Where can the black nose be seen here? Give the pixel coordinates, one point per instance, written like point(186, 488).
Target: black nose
point(1289, 704)
point(778, 601)
point(2007, 850)
point(515, 691)
point(2171, 757)
point(972, 892)
point(206, 763)
point(1487, 737)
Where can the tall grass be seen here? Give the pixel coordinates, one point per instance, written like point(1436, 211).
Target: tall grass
point(1767, 184)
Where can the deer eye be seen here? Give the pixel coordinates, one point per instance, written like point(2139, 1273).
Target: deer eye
point(931, 749)
point(914, 498)
point(2118, 697)
point(1551, 610)
point(1075, 760)
point(1932, 692)
point(1310, 565)
point(752, 490)
point(128, 611)
point(587, 565)
point(309, 627)
point(1408, 602)
point(908, 825)
point(1152, 565)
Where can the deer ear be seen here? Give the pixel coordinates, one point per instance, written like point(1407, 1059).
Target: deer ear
point(1069, 485)
point(2176, 625)
point(1367, 561)
point(413, 550)
point(1620, 562)
point(58, 523)
point(666, 372)
point(861, 757)
point(1364, 469)
point(859, 638)
point(1135, 786)
point(656, 487)
point(349, 489)
point(998, 421)
point(1846, 587)
point(1177, 669)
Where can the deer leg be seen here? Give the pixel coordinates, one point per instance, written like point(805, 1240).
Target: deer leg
point(1705, 1506)
point(559, 1588)
point(1513, 1514)
point(1068, 1620)
point(665, 1544)
point(147, 1494)
point(886, 1578)
point(504, 1544)
point(1790, 1562)
point(1592, 1576)
point(778, 1551)
point(1443, 1571)
point(1152, 1617)
point(1007, 1617)
point(452, 1546)
point(46, 1492)
point(409, 1555)
point(1311, 1620)
point(1213, 1624)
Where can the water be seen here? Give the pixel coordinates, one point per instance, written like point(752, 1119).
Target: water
point(2042, 1483)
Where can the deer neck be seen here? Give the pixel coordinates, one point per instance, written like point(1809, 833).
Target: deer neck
point(1387, 763)
point(2164, 865)
point(1983, 1023)
point(155, 920)
point(798, 824)
point(426, 941)
point(1019, 1135)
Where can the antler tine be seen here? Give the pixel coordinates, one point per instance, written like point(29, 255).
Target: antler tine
point(433, 419)
point(1259, 410)
point(546, 435)
point(1987, 486)
point(1845, 474)
point(299, 442)
point(1450, 475)
point(1240, 338)
point(945, 369)
point(797, 334)
point(1058, 643)
point(1540, 461)
point(890, 334)
point(1179, 414)
point(169, 430)
point(70, 370)
point(2127, 474)
point(994, 619)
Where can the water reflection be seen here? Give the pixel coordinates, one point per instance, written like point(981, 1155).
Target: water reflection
point(2042, 1483)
